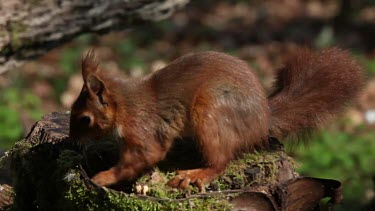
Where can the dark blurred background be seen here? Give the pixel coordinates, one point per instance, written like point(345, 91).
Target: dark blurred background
point(259, 32)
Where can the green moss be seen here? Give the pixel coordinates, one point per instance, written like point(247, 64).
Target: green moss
point(5, 50)
point(49, 176)
point(258, 168)
point(78, 197)
point(16, 29)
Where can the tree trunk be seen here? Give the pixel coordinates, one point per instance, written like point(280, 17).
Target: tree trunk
point(31, 28)
point(50, 172)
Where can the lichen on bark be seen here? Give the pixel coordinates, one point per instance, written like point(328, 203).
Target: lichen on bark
point(29, 29)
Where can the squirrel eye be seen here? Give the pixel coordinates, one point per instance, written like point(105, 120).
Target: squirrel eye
point(85, 120)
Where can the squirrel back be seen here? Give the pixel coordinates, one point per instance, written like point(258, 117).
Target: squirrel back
point(310, 89)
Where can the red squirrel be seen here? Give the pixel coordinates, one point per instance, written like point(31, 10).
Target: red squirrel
point(214, 98)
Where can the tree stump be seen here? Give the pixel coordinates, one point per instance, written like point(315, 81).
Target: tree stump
point(50, 172)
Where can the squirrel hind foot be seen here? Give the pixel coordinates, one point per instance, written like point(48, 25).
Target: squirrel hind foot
point(198, 177)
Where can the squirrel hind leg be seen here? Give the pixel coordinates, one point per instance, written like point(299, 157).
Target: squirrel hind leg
point(211, 144)
point(215, 147)
point(215, 158)
point(229, 124)
point(223, 130)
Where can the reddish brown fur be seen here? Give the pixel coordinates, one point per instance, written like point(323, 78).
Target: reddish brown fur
point(212, 97)
point(311, 88)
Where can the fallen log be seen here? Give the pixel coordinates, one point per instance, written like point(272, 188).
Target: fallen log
point(29, 29)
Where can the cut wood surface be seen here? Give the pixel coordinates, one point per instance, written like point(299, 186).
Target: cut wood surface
point(50, 166)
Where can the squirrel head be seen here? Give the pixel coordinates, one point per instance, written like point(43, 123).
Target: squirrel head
point(92, 114)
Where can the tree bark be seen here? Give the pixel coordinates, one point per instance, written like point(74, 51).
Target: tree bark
point(47, 164)
point(31, 28)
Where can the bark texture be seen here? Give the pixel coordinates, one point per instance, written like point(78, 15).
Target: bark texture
point(31, 28)
point(50, 172)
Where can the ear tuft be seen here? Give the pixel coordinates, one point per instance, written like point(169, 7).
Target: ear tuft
point(89, 64)
point(95, 85)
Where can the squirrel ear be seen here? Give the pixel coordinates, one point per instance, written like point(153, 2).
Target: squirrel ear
point(89, 65)
point(95, 85)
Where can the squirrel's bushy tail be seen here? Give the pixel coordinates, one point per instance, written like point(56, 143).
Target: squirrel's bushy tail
point(311, 88)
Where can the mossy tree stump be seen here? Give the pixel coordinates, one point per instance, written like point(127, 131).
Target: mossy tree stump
point(50, 172)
